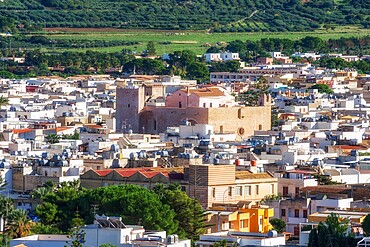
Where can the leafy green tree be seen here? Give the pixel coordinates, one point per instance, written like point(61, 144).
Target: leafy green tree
point(198, 71)
point(77, 221)
point(228, 66)
point(74, 136)
point(278, 225)
point(150, 48)
point(3, 101)
point(77, 237)
point(7, 25)
point(324, 179)
point(58, 207)
point(322, 88)
point(366, 225)
point(7, 75)
point(312, 43)
point(52, 138)
point(213, 49)
point(188, 212)
point(313, 239)
point(224, 243)
point(236, 46)
point(136, 205)
point(269, 198)
point(334, 232)
point(47, 212)
point(39, 228)
point(181, 59)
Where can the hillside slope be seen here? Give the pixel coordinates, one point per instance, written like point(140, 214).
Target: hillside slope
point(217, 15)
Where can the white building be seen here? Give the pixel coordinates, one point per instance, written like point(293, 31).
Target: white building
point(242, 239)
point(223, 56)
point(107, 230)
point(41, 240)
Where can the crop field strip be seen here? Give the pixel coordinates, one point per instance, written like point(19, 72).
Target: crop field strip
point(169, 41)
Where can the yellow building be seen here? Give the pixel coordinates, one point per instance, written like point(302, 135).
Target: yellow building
point(353, 217)
point(255, 219)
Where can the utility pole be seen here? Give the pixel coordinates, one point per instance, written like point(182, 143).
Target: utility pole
point(95, 207)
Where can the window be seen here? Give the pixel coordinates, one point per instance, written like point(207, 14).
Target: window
point(225, 226)
point(213, 192)
point(260, 127)
point(296, 191)
point(305, 213)
point(239, 191)
point(180, 104)
point(204, 105)
point(241, 131)
point(296, 213)
point(283, 213)
point(230, 191)
point(243, 223)
point(285, 191)
point(247, 190)
point(231, 225)
point(257, 189)
point(221, 129)
point(210, 105)
point(155, 125)
point(128, 105)
point(240, 113)
point(272, 188)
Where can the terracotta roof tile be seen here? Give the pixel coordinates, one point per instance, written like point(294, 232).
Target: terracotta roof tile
point(206, 92)
point(149, 172)
point(103, 173)
point(21, 131)
point(126, 174)
point(59, 129)
point(350, 147)
point(326, 189)
point(93, 126)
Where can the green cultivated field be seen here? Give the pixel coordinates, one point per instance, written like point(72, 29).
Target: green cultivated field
point(197, 41)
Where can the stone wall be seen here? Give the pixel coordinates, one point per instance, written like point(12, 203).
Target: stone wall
point(240, 120)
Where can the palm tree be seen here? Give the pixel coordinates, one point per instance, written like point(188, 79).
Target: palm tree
point(3, 101)
point(52, 138)
point(2, 184)
point(6, 208)
point(18, 225)
point(40, 193)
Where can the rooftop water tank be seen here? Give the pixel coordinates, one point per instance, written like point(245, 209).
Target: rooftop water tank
point(114, 147)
